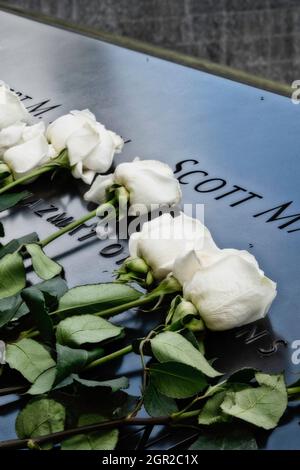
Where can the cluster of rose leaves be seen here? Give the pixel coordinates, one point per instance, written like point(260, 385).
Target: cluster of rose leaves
point(56, 343)
point(61, 365)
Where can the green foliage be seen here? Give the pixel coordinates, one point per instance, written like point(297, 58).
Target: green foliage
point(44, 266)
point(11, 199)
point(234, 440)
point(94, 298)
point(98, 440)
point(40, 417)
point(12, 275)
point(29, 357)
point(173, 347)
point(262, 406)
point(157, 404)
point(177, 380)
point(80, 329)
point(35, 300)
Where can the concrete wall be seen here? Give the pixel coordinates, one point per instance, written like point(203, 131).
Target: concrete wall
point(259, 36)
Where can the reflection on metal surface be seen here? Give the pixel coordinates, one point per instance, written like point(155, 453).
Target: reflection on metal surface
point(206, 127)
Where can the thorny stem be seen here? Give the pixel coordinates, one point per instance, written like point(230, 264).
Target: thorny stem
point(116, 423)
point(61, 435)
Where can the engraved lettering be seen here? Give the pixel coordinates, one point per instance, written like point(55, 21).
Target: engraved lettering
point(277, 216)
point(111, 250)
point(40, 108)
point(179, 165)
point(83, 226)
point(204, 173)
point(251, 334)
point(60, 220)
point(237, 188)
point(25, 97)
point(248, 198)
point(47, 210)
point(221, 184)
point(92, 233)
point(273, 347)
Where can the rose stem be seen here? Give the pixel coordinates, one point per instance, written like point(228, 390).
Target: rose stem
point(293, 391)
point(68, 228)
point(168, 286)
point(110, 312)
point(61, 161)
point(61, 435)
point(29, 176)
point(109, 357)
point(126, 421)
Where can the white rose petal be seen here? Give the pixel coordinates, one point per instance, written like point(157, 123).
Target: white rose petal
point(12, 109)
point(97, 192)
point(91, 147)
point(163, 239)
point(31, 151)
point(10, 136)
point(228, 293)
point(148, 183)
point(62, 128)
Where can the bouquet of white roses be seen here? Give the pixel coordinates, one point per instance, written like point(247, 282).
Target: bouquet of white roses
point(58, 338)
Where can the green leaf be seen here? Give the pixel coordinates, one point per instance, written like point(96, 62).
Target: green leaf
point(12, 275)
point(94, 298)
point(39, 418)
point(99, 440)
point(35, 301)
point(11, 199)
point(29, 357)
point(43, 382)
point(62, 374)
point(262, 406)
point(16, 243)
point(8, 308)
point(177, 380)
point(157, 404)
point(44, 266)
point(54, 289)
point(173, 347)
point(81, 329)
point(211, 412)
point(235, 440)
point(71, 360)
point(114, 384)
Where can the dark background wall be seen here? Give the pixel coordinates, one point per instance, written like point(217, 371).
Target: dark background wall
point(259, 36)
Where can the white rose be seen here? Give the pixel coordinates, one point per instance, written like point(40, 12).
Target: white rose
point(91, 147)
point(28, 148)
point(148, 182)
point(163, 239)
point(11, 108)
point(11, 136)
point(228, 289)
